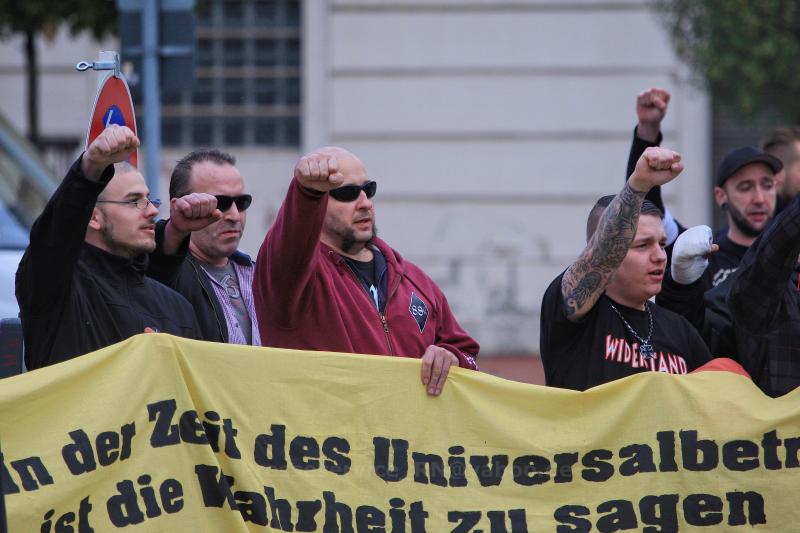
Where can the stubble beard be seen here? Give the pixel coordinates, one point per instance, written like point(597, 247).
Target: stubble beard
point(349, 241)
point(124, 249)
point(742, 224)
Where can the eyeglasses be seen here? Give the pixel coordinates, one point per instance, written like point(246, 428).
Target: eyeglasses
point(225, 202)
point(348, 193)
point(141, 203)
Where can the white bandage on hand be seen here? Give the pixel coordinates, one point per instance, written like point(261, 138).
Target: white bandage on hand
point(690, 254)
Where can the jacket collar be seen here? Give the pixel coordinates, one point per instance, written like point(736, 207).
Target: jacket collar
point(241, 258)
point(107, 263)
point(238, 257)
point(394, 260)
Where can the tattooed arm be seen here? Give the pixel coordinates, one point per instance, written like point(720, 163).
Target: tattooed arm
point(586, 279)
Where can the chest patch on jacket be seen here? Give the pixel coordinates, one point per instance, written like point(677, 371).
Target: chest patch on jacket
point(419, 311)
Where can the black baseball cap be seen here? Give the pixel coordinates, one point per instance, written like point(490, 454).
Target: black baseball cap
point(739, 157)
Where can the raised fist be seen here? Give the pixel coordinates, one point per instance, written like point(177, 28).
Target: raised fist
point(651, 108)
point(318, 171)
point(657, 166)
point(193, 212)
point(651, 105)
point(113, 145)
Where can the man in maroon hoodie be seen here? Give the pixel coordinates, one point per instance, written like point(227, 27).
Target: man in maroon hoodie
point(324, 281)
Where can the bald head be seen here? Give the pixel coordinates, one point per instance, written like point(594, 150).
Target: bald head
point(125, 175)
point(343, 157)
point(351, 168)
point(124, 166)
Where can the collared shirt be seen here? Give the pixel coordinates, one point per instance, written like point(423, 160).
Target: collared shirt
point(244, 273)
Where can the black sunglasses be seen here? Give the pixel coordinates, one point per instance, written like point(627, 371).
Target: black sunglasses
point(348, 193)
point(225, 202)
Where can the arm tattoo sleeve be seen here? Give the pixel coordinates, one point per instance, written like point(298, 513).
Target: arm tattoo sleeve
point(586, 279)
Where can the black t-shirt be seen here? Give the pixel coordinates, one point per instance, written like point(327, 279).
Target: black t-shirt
point(372, 276)
point(599, 348)
point(723, 263)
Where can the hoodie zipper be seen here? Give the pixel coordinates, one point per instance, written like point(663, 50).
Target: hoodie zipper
point(383, 317)
point(384, 322)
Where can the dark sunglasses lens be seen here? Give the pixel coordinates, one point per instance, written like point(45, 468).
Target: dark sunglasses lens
point(243, 202)
point(348, 193)
point(224, 202)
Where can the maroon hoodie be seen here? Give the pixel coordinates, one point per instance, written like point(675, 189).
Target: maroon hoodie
point(308, 298)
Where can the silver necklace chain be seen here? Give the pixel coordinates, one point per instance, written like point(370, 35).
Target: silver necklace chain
point(645, 348)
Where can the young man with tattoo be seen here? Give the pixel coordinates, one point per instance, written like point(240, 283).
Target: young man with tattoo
point(597, 322)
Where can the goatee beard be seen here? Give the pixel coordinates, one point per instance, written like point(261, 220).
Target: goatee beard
point(349, 241)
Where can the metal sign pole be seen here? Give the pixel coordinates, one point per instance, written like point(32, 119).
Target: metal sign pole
point(112, 104)
point(150, 95)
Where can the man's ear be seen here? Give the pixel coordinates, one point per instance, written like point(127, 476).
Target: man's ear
point(97, 221)
point(720, 196)
point(780, 179)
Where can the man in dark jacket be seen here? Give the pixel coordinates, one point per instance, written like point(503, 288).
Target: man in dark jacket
point(80, 284)
point(324, 281)
point(200, 259)
point(764, 302)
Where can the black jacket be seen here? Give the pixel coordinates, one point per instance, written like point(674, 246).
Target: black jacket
point(75, 298)
point(764, 301)
point(183, 273)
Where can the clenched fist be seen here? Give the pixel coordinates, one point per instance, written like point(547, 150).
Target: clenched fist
point(318, 171)
point(113, 145)
point(657, 166)
point(651, 108)
point(193, 212)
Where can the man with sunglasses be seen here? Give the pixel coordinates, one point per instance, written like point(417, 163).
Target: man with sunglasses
point(197, 248)
point(81, 284)
point(324, 281)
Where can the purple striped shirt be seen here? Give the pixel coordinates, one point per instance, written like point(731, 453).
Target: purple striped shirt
point(245, 275)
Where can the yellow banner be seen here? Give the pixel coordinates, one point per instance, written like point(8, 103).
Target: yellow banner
point(164, 434)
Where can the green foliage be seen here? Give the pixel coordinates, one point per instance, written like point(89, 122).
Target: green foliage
point(44, 16)
point(747, 52)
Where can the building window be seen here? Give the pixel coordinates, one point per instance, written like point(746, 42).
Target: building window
point(247, 78)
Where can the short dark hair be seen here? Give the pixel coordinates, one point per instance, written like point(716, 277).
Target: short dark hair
point(179, 182)
point(780, 142)
point(648, 208)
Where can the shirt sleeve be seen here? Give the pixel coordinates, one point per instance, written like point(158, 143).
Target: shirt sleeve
point(452, 337)
point(288, 257)
point(45, 270)
point(638, 146)
point(672, 227)
point(556, 330)
point(161, 266)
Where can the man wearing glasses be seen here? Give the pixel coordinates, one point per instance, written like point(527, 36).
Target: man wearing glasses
point(197, 249)
point(80, 284)
point(324, 281)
